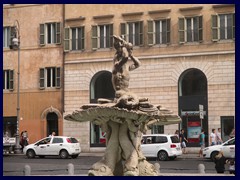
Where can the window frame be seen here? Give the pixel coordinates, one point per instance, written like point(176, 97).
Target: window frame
point(8, 76)
point(96, 36)
point(124, 29)
point(182, 29)
point(216, 26)
point(44, 35)
point(55, 79)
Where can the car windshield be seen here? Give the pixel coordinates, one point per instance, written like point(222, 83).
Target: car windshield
point(73, 140)
point(174, 139)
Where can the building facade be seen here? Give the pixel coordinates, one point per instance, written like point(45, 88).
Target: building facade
point(41, 70)
point(187, 55)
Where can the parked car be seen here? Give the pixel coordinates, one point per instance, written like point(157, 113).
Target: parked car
point(161, 146)
point(228, 149)
point(54, 146)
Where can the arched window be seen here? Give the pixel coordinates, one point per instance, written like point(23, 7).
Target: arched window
point(100, 87)
point(192, 86)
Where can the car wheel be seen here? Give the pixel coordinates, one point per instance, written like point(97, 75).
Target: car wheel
point(213, 154)
point(63, 154)
point(162, 156)
point(30, 153)
point(74, 156)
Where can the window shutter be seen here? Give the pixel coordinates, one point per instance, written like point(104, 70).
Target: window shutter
point(42, 33)
point(233, 27)
point(200, 29)
point(66, 39)
point(123, 31)
point(150, 33)
point(11, 79)
point(141, 33)
point(215, 28)
point(82, 38)
point(42, 78)
point(58, 33)
point(168, 30)
point(181, 30)
point(12, 35)
point(58, 77)
point(94, 37)
point(111, 35)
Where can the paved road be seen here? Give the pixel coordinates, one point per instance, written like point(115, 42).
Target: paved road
point(13, 165)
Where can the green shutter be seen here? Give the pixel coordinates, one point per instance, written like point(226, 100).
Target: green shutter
point(42, 33)
point(141, 33)
point(12, 35)
point(42, 78)
point(150, 33)
point(58, 77)
point(58, 33)
point(111, 35)
point(215, 28)
point(200, 29)
point(233, 27)
point(66, 39)
point(168, 30)
point(123, 31)
point(94, 37)
point(11, 79)
point(83, 38)
point(181, 30)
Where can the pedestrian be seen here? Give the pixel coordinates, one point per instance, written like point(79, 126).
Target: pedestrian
point(213, 138)
point(53, 134)
point(176, 133)
point(218, 137)
point(183, 141)
point(232, 134)
point(231, 166)
point(24, 139)
point(220, 162)
point(201, 142)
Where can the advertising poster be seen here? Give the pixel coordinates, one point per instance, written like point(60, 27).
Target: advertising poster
point(194, 129)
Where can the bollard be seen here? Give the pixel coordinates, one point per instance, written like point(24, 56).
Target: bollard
point(201, 169)
point(27, 170)
point(157, 167)
point(70, 169)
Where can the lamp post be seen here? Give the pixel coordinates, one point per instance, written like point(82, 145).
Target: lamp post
point(15, 45)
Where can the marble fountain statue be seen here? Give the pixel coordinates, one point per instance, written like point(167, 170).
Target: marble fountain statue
point(124, 120)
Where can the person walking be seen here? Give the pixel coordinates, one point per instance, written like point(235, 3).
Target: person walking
point(213, 138)
point(201, 142)
point(24, 139)
point(218, 137)
point(183, 141)
point(220, 162)
point(176, 133)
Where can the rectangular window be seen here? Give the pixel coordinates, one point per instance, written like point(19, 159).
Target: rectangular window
point(102, 36)
point(159, 32)
point(223, 27)
point(77, 38)
point(227, 125)
point(190, 29)
point(8, 79)
point(50, 33)
point(6, 36)
point(133, 32)
point(49, 77)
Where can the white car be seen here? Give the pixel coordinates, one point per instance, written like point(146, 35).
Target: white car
point(228, 149)
point(161, 146)
point(54, 146)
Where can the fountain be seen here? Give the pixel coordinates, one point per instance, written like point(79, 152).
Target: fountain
point(124, 120)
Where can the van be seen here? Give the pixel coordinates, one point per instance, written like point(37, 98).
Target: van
point(161, 146)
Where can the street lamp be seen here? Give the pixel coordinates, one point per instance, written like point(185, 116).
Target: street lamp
point(15, 45)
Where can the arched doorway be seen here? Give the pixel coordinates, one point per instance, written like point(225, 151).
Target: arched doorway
point(100, 87)
point(52, 123)
point(192, 93)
